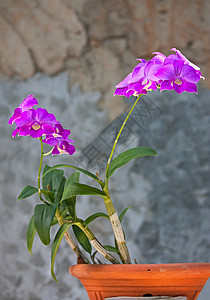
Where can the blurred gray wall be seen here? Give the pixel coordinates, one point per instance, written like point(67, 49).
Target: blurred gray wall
point(70, 54)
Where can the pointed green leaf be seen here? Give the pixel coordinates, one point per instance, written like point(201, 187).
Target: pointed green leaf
point(57, 177)
point(59, 193)
point(31, 231)
point(73, 167)
point(52, 183)
point(68, 218)
point(74, 177)
point(95, 216)
point(82, 239)
point(77, 189)
point(27, 192)
point(111, 248)
point(43, 217)
point(70, 204)
point(123, 213)
point(50, 179)
point(48, 195)
point(71, 201)
point(59, 235)
point(128, 155)
point(46, 180)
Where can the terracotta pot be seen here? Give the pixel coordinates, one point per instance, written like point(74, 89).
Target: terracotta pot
point(103, 281)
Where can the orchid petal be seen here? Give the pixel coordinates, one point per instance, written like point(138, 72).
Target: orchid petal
point(55, 151)
point(137, 76)
point(178, 88)
point(178, 65)
point(48, 129)
point(186, 61)
point(25, 130)
point(159, 57)
point(124, 83)
point(189, 74)
point(15, 132)
point(170, 59)
point(28, 103)
point(25, 119)
point(190, 87)
point(166, 72)
point(16, 115)
point(121, 91)
point(152, 70)
point(166, 85)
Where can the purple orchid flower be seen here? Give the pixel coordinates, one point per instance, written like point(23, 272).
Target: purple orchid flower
point(122, 88)
point(159, 57)
point(172, 72)
point(35, 123)
point(27, 104)
point(178, 76)
point(61, 145)
point(140, 80)
point(145, 78)
point(59, 131)
point(187, 61)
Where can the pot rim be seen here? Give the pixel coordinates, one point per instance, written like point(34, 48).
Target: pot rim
point(128, 271)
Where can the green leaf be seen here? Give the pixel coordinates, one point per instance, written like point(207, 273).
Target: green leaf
point(31, 231)
point(82, 239)
point(56, 243)
point(48, 195)
point(46, 180)
point(95, 216)
point(71, 201)
point(128, 155)
point(51, 180)
point(73, 167)
point(123, 213)
point(111, 248)
point(74, 177)
point(77, 189)
point(57, 178)
point(43, 217)
point(71, 206)
point(27, 192)
point(59, 193)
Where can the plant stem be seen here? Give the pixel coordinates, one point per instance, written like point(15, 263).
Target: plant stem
point(40, 169)
point(114, 219)
point(59, 217)
point(69, 239)
point(96, 244)
point(118, 231)
point(118, 136)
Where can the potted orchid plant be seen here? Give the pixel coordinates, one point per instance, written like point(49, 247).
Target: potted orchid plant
point(57, 194)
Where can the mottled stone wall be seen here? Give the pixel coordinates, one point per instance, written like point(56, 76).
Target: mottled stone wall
point(98, 41)
point(70, 54)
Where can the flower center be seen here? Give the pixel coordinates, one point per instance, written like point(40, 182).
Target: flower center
point(178, 81)
point(36, 126)
point(145, 81)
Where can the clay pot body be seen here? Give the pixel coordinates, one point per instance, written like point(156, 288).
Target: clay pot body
point(104, 281)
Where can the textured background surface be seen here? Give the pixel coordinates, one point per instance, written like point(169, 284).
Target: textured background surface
point(70, 54)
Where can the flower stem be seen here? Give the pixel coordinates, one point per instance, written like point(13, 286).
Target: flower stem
point(118, 136)
point(114, 219)
point(40, 169)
